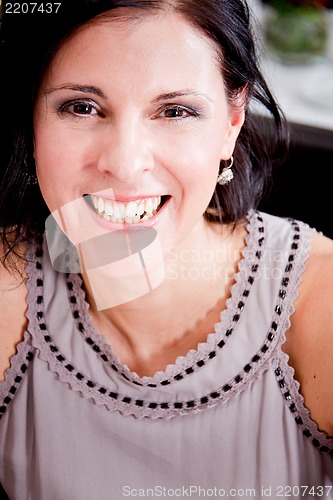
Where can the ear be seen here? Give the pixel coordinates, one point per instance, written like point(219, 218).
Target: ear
point(235, 123)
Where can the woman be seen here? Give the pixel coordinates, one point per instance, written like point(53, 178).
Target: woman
point(157, 352)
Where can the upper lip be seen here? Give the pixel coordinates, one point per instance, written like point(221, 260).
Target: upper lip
point(123, 198)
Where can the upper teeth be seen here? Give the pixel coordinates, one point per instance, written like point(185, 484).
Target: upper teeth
point(125, 212)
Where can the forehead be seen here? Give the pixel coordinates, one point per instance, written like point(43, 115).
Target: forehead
point(152, 46)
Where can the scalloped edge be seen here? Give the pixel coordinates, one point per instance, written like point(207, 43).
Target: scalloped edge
point(182, 362)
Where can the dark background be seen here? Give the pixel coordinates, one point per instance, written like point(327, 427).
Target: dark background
point(302, 185)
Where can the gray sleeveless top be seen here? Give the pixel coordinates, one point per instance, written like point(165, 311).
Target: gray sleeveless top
point(227, 419)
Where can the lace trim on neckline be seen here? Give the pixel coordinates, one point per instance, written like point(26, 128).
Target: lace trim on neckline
point(14, 375)
point(269, 352)
point(284, 372)
point(195, 358)
point(139, 408)
point(20, 361)
point(271, 348)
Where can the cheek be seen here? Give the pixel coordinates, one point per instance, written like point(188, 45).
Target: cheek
point(198, 161)
point(202, 180)
point(195, 174)
point(54, 145)
point(59, 154)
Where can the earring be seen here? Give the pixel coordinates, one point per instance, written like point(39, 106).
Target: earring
point(227, 174)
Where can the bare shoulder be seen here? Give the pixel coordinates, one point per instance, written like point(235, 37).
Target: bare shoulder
point(12, 312)
point(310, 339)
point(316, 289)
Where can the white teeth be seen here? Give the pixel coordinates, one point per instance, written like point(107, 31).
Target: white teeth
point(129, 213)
point(119, 210)
point(100, 206)
point(108, 208)
point(149, 206)
point(141, 209)
point(131, 209)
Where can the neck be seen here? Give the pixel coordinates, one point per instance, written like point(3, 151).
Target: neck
point(182, 310)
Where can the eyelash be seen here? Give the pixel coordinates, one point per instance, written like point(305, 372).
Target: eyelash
point(190, 112)
point(68, 107)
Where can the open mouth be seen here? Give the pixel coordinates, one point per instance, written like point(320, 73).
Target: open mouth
point(132, 212)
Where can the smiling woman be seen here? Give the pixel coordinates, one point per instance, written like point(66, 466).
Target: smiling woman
point(145, 304)
point(124, 126)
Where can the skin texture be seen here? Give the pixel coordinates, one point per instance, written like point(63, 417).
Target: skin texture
point(130, 137)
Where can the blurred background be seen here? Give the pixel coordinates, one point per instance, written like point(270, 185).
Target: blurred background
point(296, 48)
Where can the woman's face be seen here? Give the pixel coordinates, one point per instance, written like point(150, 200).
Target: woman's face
point(135, 114)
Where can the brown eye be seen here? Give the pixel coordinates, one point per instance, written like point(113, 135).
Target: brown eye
point(175, 113)
point(83, 109)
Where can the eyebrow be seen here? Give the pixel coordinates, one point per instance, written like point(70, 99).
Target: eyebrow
point(181, 93)
point(90, 89)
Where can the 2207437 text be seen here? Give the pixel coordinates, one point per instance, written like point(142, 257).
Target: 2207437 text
point(32, 8)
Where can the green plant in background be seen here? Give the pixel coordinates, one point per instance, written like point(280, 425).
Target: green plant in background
point(297, 30)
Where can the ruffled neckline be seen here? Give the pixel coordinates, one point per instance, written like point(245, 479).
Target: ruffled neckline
point(184, 365)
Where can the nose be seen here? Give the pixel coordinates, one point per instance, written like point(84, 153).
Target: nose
point(126, 150)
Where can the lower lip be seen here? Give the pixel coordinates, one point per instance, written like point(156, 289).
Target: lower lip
point(116, 226)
